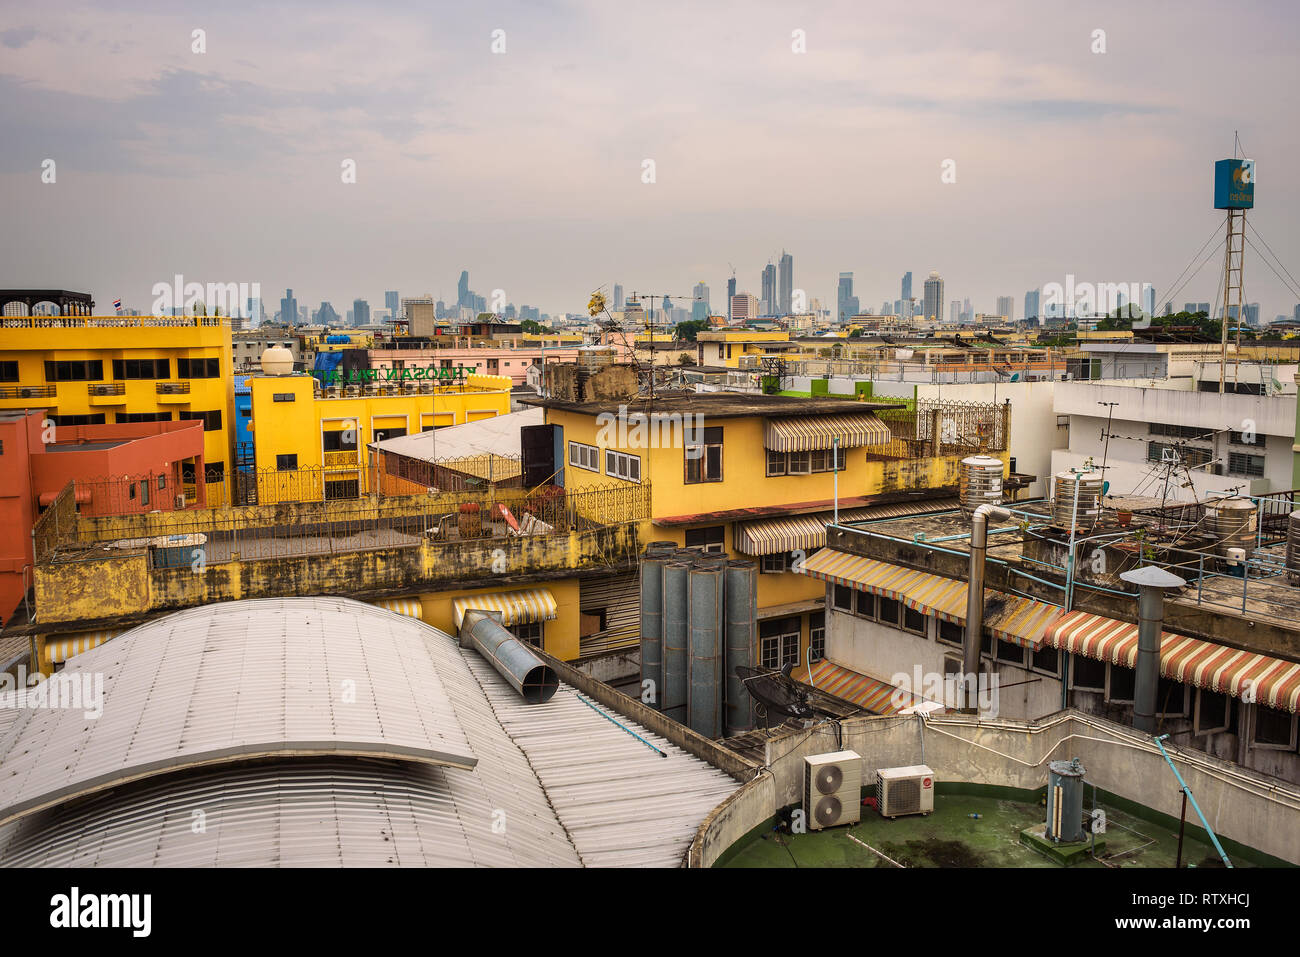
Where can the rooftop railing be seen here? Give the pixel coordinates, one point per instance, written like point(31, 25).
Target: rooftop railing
point(112, 322)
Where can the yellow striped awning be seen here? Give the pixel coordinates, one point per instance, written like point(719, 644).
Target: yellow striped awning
point(876, 696)
point(516, 607)
point(776, 535)
point(67, 646)
point(402, 606)
point(808, 432)
point(1022, 621)
point(1269, 681)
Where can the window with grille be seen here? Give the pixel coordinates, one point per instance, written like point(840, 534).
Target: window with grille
point(529, 632)
point(1241, 463)
point(705, 539)
point(778, 642)
point(142, 368)
point(817, 635)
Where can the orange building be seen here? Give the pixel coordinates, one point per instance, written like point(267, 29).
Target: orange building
point(119, 469)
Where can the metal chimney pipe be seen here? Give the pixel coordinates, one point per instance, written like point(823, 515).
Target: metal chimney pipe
point(1152, 582)
point(979, 533)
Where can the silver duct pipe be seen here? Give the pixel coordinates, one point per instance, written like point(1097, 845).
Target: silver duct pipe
point(514, 660)
point(741, 604)
point(1151, 582)
point(676, 585)
point(652, 619)
point(979, 533)
point(704, 707)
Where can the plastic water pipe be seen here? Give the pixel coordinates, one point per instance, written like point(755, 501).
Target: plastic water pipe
point(1182, 786)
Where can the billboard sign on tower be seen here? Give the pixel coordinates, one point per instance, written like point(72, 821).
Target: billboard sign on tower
point(1234, 184)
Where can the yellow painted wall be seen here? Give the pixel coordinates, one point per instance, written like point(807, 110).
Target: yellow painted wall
point(560, 637)
point(107, 338)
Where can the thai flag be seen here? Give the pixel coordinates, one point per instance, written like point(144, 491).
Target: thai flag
point(117, 304)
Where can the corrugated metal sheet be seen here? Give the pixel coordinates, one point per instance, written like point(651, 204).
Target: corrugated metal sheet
point(516, 607)
point(775, 535)
point(621, 803)
point(222, 682)
point(620, 598)
point(809, 432)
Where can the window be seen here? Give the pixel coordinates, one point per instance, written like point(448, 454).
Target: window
point(142, 417)
point(889, 611)
point(776, 462)
point(805, 463)
point(1087, 674)
point(214, 472)
point(393, 433)
point(96, 418)
point(1181, 431)
point(142, 368)
point(584, 456)
point(865, 605)
point(198, 368)
point(340, 440)
point(84, 370)
point(817, 635)
point(950, 633)
point(913, 621)
point(1239, 438)
point(1274, 729)
point(529, 632)
point(1188, 456)
point(1010, 653)
point(799, 463)
point(9, 371)
point(282, 397)
point(1239, 463)
point(842, 598)
point(144, 491)
point(286, 463)
point(162, 482)
point(704, 462)
point(623, 466)
point(342, 488)
point(1121, 683)
point(774, 564)
point(1171, 699)
point(778, 642)
point(1046, 659)
point(705, 539)
point(211, 420)
point(1213, 712)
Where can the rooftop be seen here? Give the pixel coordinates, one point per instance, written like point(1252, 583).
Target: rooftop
point(718, 405)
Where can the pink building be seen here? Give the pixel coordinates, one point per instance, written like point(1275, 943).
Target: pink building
point(503, 359)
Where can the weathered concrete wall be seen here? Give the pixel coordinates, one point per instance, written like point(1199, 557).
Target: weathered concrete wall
point(733, 819)
point(1241, 805)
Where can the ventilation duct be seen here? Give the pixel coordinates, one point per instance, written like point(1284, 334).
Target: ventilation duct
point(535, 680)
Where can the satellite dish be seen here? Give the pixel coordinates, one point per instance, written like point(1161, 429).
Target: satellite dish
point(776, 691)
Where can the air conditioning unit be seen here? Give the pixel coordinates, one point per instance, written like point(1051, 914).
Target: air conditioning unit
point(832, 789)
point(902, 791)
point(180, 500)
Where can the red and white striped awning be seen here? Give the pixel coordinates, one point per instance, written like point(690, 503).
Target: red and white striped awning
point(1263, 679)
point(872, 694)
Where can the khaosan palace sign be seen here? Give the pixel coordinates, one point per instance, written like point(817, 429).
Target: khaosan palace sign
point(446, 375)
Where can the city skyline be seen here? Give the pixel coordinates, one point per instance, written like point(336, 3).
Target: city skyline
point(228, 143)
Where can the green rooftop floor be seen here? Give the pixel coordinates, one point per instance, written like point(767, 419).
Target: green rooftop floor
point(950, 837)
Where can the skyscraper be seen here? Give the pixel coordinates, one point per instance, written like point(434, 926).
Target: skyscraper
point(1149, 299)
point(907, 286)
point(360, 312)
point(700, 307)
point(1006, 308)
point(786, 295)
point(954, 312)
point(393, 303)
point(846, 302)
point(462, 290)
point(288, 308)
point(618, 297)
point(769, 303)
point(1031, 304)
point(934, 297)
point(731, 292)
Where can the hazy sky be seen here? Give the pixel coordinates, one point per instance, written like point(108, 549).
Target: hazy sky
point(525, 167)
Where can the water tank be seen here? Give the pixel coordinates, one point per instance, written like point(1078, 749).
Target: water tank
point(1089, 491)
point(1293, 548)
point(1065, 801)
point(1231, 523)
point(276, 360)
point(980, 482)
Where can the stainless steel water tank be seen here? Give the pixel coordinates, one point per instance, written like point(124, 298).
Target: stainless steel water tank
point(980, 482)
point(1065, 801)
point(1293, 547)
point(1231, 523)
point(1063, 498)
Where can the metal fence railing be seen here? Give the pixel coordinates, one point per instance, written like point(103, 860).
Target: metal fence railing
point(944, 427)
point(57, 525)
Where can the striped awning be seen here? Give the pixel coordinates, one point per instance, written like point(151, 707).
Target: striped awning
point(402, 606)
point(66, 646)
point(778, 535)
point(1269, 681)
point(1021, 621)
point(808, 432)
point(876, 696)
point(516, 607)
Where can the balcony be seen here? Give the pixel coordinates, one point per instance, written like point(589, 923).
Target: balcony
point(18, 396)
point(342, 458)
point(106, 393)
point(173, 393)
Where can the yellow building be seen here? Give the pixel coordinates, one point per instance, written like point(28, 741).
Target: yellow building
point(101, 369)
point(758, 482)
point(725, 348)
point(306, 433)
